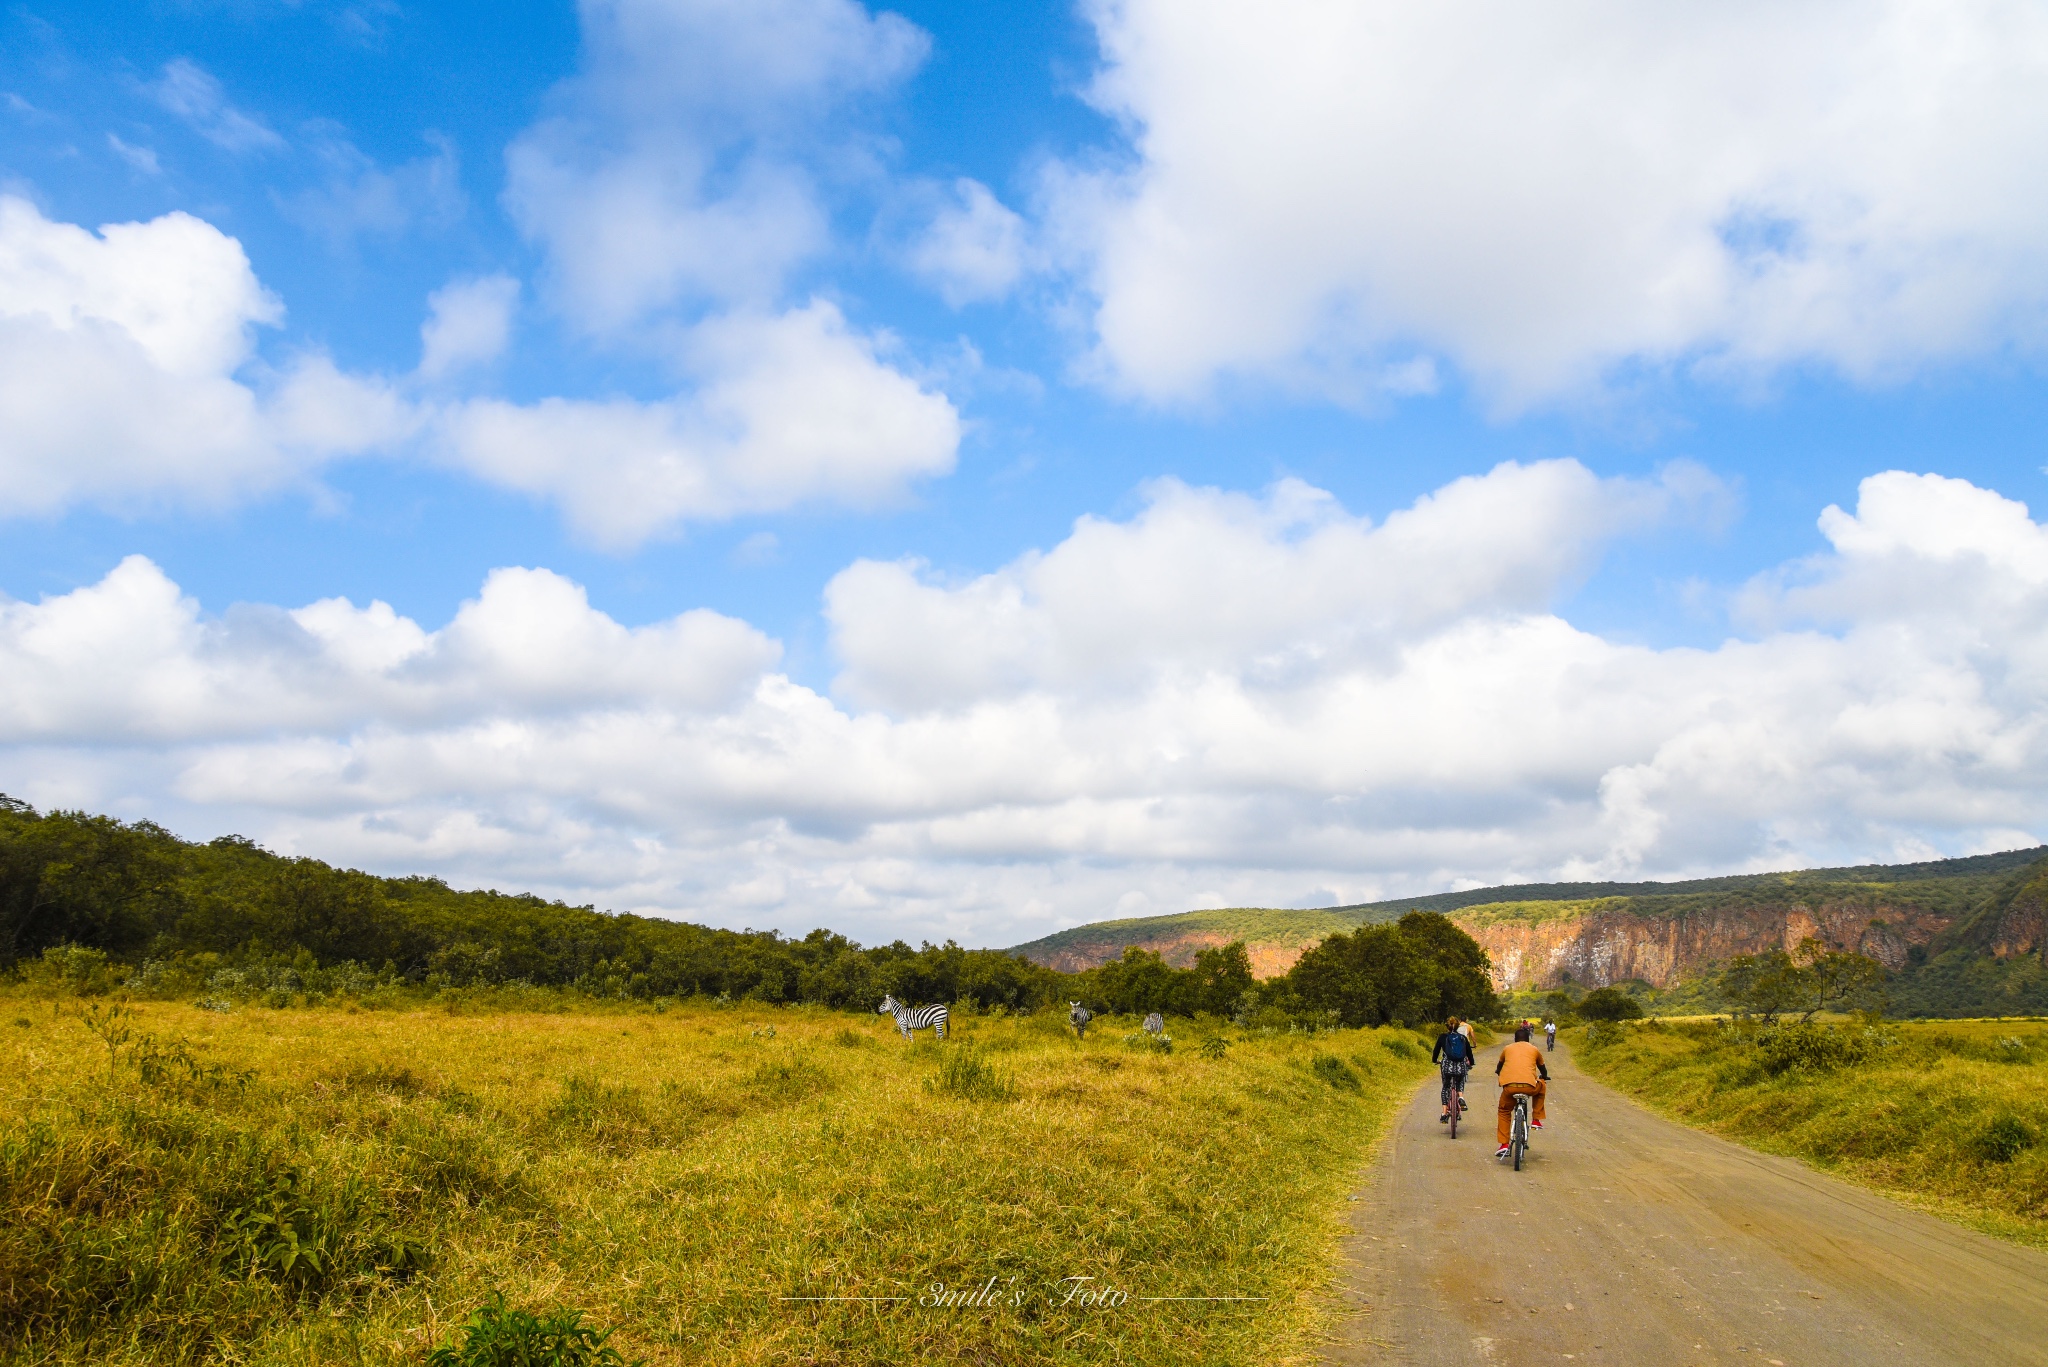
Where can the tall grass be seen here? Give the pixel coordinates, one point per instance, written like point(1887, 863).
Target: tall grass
point(1953, 1116)
point(319, 1186)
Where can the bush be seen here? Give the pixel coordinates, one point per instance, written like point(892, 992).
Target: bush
point(2004, 1139)
point(1811, 1049)
point(1213, 1046)
point(1336, 1072)
point(966, 1072)
point(494, 1336)
point(1610, 1004)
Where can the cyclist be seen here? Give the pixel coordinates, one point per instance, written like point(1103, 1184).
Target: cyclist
point(1453, 1055)
point(1549, 1036)
point(1520, 1071)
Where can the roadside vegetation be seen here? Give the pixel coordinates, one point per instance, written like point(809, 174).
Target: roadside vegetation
point(334, 1184)
point(100, 904)
point(1950, 1115)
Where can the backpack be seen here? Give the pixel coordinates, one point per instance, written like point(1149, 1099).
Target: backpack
point(1457, 1049)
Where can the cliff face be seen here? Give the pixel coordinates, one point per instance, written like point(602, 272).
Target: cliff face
point(1606, 947)
point(2022, 928)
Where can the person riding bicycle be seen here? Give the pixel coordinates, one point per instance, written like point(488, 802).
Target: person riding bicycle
point(1521, 1072)
point(1549, 1036)
point(1453, 1055)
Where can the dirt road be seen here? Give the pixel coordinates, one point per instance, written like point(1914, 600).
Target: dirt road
point(1628, 1239)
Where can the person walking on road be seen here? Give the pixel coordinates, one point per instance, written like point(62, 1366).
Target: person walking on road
point(1520, 1071)
point(1452, 1055)
point(1549, 1036)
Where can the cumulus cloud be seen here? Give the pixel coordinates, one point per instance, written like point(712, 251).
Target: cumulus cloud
point(789, 408)
point(1543, 194)
point(468, 323)
point(974, 248)
point(1276, 588)
point(1410, 712)
point(120, 361)
point(680, 164)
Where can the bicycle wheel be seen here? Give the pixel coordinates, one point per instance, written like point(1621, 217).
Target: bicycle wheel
point(1520, 1142)
point(1455, 1108)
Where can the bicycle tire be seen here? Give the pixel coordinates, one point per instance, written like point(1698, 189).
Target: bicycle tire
point(1455, 1108)
point(1519, 1143)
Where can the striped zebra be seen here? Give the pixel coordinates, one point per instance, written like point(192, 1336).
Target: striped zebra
point(1078, 1016)
point(1155, 1025)
point(909, 1018)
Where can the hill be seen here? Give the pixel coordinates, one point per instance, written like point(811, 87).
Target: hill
point(1958, 934)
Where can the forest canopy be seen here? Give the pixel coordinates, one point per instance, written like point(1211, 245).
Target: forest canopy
point(139, 898)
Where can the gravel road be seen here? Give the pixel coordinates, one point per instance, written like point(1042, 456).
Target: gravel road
point(1629, 1239)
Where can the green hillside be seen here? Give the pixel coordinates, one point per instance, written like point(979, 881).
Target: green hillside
point(1254, 925)
point(1954, 974)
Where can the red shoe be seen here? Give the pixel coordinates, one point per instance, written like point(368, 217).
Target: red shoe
point(1535, 1124)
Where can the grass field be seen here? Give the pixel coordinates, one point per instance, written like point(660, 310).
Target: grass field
point(1952, 1116)
point(287, 1186)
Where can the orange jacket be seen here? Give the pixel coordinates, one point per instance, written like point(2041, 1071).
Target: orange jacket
point(1521, 1062)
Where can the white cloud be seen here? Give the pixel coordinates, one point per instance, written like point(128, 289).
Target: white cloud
point(194, 95)
point(1407, 712)
point(119, 356)
point(1543, 194)
point(468, 323)
point(974, 248)
point(142, 160)
point(788, 409)
point(679, 165)
point(356, 196)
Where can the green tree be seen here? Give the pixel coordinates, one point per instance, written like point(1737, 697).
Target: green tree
point(1610, 1004)
point(1832, 977)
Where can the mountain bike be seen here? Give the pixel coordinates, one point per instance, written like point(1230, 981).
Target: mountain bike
point(1518, 1133)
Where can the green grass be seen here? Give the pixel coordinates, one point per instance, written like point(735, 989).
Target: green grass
point(1951, 1116)
point(330, 1186)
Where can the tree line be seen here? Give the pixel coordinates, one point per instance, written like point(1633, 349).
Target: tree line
point(141, 896)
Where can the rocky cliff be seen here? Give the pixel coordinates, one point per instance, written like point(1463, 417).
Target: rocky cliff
point(1942, 917)
point(1605, 944)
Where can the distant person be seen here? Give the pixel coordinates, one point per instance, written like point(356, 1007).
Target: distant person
point(1465, 1029)
point(1550, 1035)
point(1453, 1056)
point(1521, 1072)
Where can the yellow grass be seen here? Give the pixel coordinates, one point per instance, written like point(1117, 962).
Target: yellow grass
point(676, 1175)
point(1951, 1116)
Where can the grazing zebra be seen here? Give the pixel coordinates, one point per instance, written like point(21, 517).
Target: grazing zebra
point(1079, 1016)
point(909, 1018)
point(1155, 1024)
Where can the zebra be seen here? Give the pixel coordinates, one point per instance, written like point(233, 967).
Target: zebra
point(909, 1018)
point(1078, 1016)
point(1155, 1025)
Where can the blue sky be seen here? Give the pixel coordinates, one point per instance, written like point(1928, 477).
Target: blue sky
point(770, 293)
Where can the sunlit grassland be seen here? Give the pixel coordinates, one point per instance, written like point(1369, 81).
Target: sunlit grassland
point(1951, 1116)
point(332, 1186)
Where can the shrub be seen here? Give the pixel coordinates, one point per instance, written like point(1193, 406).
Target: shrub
point(966, 1072)
point(1336, 1072)
point(1811, 1048)
point(2005, 1138)
point(1610, 1004)
point(494, 1336)
point(1213, 1046)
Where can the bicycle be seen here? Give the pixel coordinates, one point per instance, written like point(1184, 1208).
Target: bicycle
point(1453, 1097)
point(1518, 1133)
